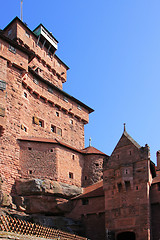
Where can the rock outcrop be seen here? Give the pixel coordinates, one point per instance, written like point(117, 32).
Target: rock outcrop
point(44, 196)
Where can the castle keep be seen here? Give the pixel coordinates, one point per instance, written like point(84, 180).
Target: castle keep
point(44, 166)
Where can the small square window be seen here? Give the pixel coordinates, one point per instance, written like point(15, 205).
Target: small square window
point(50, 90)
point(65, 99)
point(30, 171)
point(27, 34)
point(79, 107)
point(53, 128)
point(41, 123)
point(2, 85)
point(71, 121)
point(35, 81)
point(57, 114)
point(12, 49)
point(29, 148)
point(59, 131)
point(85, 201)
point(71, 175)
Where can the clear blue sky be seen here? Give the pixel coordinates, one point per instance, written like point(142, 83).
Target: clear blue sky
point(113, 50)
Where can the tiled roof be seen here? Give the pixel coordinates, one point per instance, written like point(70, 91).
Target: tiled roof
point(88, 150)
point(95, 190)
point(92, 150)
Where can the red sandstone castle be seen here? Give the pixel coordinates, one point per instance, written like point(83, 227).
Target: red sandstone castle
point(44, 167)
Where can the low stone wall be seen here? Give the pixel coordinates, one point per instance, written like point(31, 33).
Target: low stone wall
point(15, 236)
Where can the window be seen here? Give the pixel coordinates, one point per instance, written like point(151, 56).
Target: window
point(85, 201)
point(27, 34)
point(25, 94)
point(30, 171)
point(65, 99)
point(97, 164)
point(2, 85)
point(85, 178)
point(52, 150)
point(50, 90)
point(2, 111)
point(53, 128)
point(127, 185)
point(1, 131)
point(29, 148)
point(71, 175)
point(119, 185)
point(41, 123)
point(136, 187)
point(71, 121)
point(79, 107)
point(73, 156)
point(57, 114)
point(9, 32)
point(23, 128)
point(59, 131)
point(126, 171)
point(12, 49)
point(35, 81)
point(158, 186)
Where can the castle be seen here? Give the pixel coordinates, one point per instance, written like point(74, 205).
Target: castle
point(44, 167)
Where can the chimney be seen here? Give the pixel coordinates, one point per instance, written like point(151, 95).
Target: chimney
point(158, 160)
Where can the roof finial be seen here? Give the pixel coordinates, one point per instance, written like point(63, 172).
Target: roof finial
point(90, 142)
point(124, 127)
point(21, 10)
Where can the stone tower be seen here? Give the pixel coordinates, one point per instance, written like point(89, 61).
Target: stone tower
point(127, 180)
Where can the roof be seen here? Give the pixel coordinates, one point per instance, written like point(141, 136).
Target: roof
point(131, 139)
point(95, 190)
point(92, 150)
point(46, 30)
point(61, 91)
point(157, 178)
point(55, 141)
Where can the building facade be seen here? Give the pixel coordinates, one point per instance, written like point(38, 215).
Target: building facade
point(42, 141)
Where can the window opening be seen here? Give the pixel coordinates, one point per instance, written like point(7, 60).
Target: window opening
point(73, 156)
point(12, 49)
point(127, 185)
point(53, 128)
point(57, 114)
point(2, 85)
point(119, 185)
point(29, 148)
point(59, 131)
point(25, 94)
point(71, 121)
point(85, 178)
point(85, 201)
point(41, 123)
point(71, 175)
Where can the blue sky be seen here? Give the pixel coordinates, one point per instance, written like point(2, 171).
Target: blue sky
point(113, 50)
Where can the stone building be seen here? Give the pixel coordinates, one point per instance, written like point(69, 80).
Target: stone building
point(44, 167)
